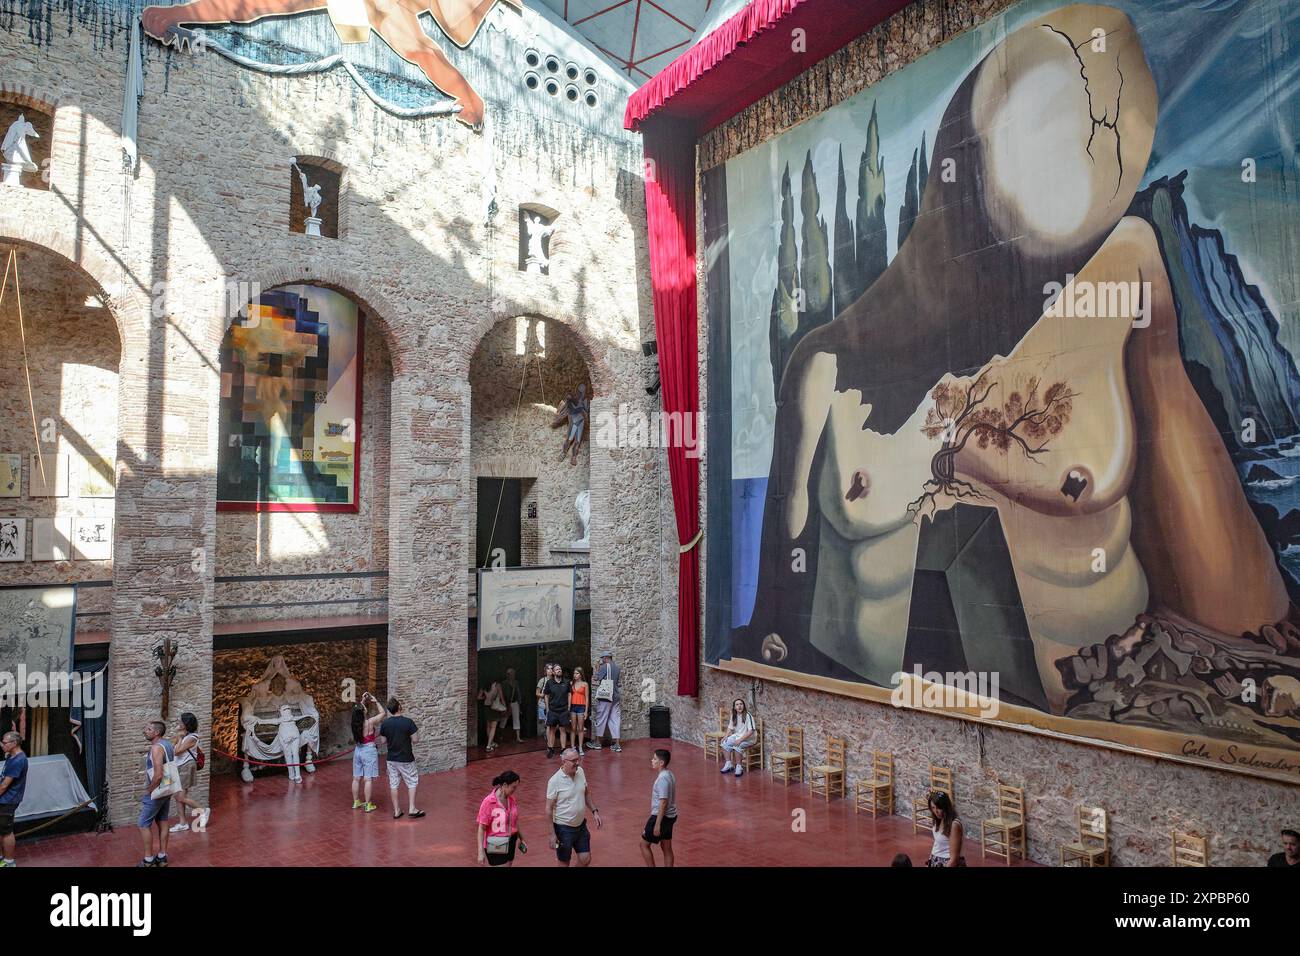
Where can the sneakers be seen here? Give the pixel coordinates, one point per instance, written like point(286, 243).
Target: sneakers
point(726, 766)
point(4, 863)
point(179, 828)
point(357, 804)
point(740, 771)
point(581, 752)
point(617, 749)
point(160, 860)
point(594, 746)
point(146, 863)
point(550, 752)
point(371, 807)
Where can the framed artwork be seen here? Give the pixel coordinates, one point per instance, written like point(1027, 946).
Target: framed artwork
point(37, 626)
point(92, 539)
point(13, 539)
point(290, 425)
point(11, 476)
point(52, 539)
point(97, 477)
point(47, 476)
point(953, 413)
point(518, 607)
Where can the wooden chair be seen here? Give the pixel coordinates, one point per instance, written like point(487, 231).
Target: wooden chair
point(713, 738)
point(754, 755)
point(1093, 846)
point(940, 779)
point(1190, 850)
point(876, 795)
point(1004, 835)
point(828, 778)
point(790, 760)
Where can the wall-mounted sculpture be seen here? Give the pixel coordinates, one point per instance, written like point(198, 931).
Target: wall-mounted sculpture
point(574, 410)
point(165, 671)
point(280, 722)
point(17, 154)
point(537, 258)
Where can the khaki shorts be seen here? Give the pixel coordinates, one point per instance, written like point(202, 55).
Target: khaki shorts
point(188, 771)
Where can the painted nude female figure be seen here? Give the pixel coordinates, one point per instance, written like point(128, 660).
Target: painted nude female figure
point(396, 21)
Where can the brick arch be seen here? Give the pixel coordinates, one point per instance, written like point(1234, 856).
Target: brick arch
point(26, 94)
point(594, 352)
point(378, 308)
point(128, 305)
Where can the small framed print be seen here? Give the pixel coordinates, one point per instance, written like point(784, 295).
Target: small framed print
point(97, 478)
point(13, 539)
point(11, 476)
point(92, 539)
point(48, 476)
point(51, 539)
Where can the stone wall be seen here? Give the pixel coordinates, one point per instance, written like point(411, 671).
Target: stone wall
point(1146, 798)
point(428, 247)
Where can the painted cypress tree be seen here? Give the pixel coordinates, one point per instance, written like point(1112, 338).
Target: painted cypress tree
point(923, 177)
point(845, 276)
point(911, 205)
point(872, 237)
point(784, 322)
point(814, 261)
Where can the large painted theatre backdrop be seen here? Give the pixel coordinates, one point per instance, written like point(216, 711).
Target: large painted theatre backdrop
point(1002, 392)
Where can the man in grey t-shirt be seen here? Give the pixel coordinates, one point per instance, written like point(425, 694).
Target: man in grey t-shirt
point(663, 811)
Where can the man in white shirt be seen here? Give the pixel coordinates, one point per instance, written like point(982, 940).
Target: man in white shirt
point(567, 802)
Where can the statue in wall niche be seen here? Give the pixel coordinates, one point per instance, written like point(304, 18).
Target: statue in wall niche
point(537, 261)
point(17, 154)
point(311, 199)
point(280, 722)
point(583, 504)
point(574, 410)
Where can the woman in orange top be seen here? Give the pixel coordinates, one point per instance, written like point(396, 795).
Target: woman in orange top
point(578, 708)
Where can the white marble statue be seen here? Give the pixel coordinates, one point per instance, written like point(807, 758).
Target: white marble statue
point(583, 504)
point(277, 707)
point(538, 229)
point(17, 154)
point(311, 199)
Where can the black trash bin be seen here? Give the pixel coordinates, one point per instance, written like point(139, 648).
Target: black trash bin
point(661, 721)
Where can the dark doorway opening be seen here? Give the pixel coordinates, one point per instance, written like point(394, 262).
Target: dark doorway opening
point(497, 522)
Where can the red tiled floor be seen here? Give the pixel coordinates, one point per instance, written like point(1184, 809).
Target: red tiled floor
point(725, 821)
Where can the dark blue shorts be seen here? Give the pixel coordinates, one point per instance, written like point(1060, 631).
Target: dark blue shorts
point(570, 839)
point(154, 811)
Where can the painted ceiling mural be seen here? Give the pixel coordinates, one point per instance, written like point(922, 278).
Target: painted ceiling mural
point(1004, 348)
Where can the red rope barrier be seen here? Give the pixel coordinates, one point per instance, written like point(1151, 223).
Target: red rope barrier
point(260, 763)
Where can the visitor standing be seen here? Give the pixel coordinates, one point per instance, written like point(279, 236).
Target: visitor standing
point(557, 692)
point(541, 696)
point(494, 712)
point(365, 753)
point(663, 811)
point(498, 823)
point(401, 735)
point(13, 783)
point(188, 757)
point(567, 801)
point(578, 708)
point(514, 696)
point(154, 812)
point(609, 709)
point(946, 850)
point(741, 735)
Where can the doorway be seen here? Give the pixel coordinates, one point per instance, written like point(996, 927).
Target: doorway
point(498, 530)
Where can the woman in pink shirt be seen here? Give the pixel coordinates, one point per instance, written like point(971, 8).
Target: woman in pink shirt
point(498, 823)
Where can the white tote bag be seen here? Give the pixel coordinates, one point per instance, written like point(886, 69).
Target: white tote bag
point(171, 781)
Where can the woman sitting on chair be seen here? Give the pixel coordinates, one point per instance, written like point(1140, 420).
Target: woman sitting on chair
point(741, 735)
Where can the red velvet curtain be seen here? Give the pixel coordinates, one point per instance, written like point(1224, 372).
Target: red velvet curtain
point(670, 216)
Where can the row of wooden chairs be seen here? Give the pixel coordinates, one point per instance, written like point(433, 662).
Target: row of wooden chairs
point(1002, 836)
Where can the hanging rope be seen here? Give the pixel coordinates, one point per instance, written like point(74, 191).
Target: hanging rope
point(12, 263)
point(519, 402)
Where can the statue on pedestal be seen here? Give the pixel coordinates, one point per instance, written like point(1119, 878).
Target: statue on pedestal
point(311, 199)
point(537, 261)
point(280, 722)
point(17, 154)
